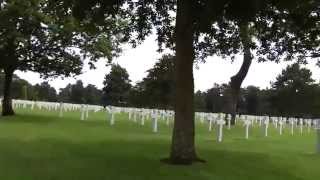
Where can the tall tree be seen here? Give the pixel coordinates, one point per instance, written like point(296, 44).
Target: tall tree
point(158, 86)
point(195, 23)
point(259, 28)
point(45, 92)
point(200, 101)
point(294, 91)
point(38, 35)
point(65, 94)
point(214, 98)
point(252, 99)
point(116, 86)
point(93, 95)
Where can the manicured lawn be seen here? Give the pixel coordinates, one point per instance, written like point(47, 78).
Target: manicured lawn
point(38, 145)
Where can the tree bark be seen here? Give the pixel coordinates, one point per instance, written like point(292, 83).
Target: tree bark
point(183, 139)
point(7, 109)
point(237, 80)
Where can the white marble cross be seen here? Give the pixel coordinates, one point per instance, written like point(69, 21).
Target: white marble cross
point(82, 112)
point(154, 117)
point(309, 123)
point(87, 112)
point(247, 124)
point(112, 119)
point(229, 122)
point(266, 126)
point(220, 124)
point(292, 122)
point(135, 116)
point(280, 126)
point(167, 117)
point(211, 119)
point(61, 110)
point(202, 118)
point(275, 121)
point(129, 113)
point(143, 116)
point(301, 125)
point(32, 105)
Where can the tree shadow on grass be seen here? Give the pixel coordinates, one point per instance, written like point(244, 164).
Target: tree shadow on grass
point(58, 159)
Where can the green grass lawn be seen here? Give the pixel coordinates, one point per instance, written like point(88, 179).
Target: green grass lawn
point(41, 146)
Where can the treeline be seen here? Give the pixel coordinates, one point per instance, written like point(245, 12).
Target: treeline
point(72, 93)
point(293, 92)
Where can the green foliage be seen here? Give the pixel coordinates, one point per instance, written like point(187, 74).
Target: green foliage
point(199, 101)
point(116, 86)
point(295, 91)
point(24, 92)
point(214, 98)
point(156, 90)
point(93, 95)
point(45, 92)
point(78, 94)
point(21, 89)
point(29, 43)
point(38, 35)
point(252, 99)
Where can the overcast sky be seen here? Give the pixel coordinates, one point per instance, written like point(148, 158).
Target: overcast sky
point(137, 61)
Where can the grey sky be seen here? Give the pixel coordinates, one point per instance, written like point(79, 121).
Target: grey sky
point(137, 61)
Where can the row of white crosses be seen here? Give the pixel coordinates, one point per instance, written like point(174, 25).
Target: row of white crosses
point(61, 107)
point(248, 121)
point(213, 119)
point(155, 115)
point(136, 115)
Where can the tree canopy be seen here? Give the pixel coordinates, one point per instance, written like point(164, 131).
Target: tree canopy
point(116, 86)
point(38, 35)
point(157, 88)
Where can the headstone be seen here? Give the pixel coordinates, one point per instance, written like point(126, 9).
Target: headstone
point(210, 118)
point(220, 124)
point(134, 116)
point(202, 118)
point(167, 116)
point(61, 110)
point(292, 122)
point(301, 125)
point(87, 112)
point(260, 121)
point(154, 117)
point(112, 119)
point(266, 126)
point(309, 123)
point(108, 113)
point(82, 112)
point(32, 105)
point(247, 124)
point(275, 121)
point(143, 116)
point(280, 126)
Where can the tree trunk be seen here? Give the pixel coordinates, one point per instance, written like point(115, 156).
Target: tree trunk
point(7, 109)
point(236, 81)
point(183, 139)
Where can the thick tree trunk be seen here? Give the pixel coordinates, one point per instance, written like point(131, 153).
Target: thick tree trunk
point(183, 139)
point(236, 81)
point(7, 109)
